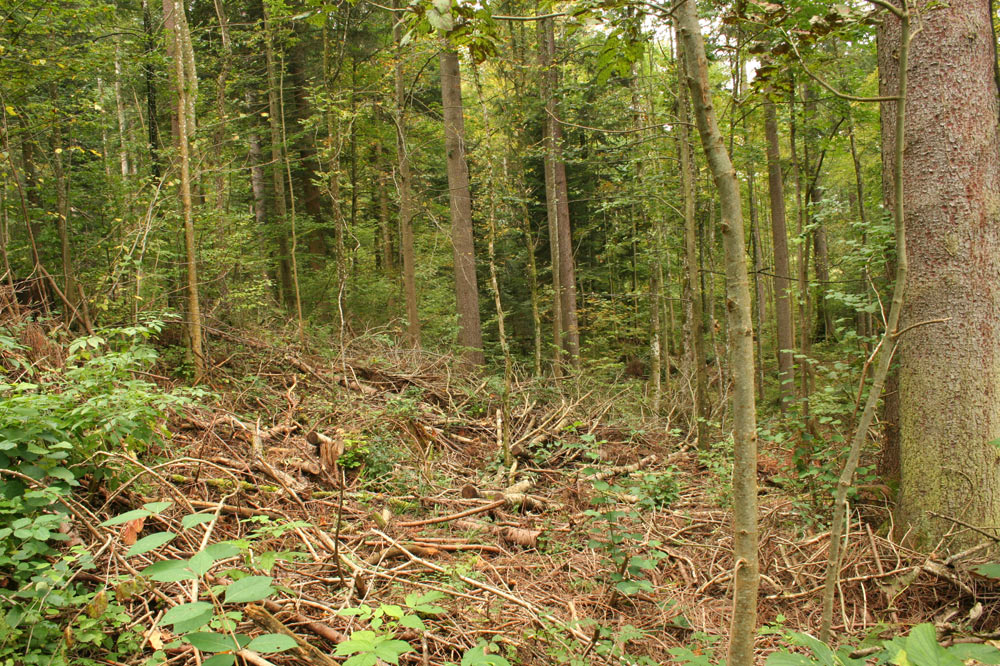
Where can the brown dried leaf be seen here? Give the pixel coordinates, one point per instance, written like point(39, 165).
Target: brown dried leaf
point(131, 530)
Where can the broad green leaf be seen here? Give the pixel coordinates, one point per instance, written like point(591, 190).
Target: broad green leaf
point(820, 649)
point(125, 517)
point(412, 622)
point(922, 648)
point(220, 660)
point(169, 571)
point(983, 654)
point(989, 570)
point(360, 641)
point(209, 641)
point(151, 542)
point(390, 650)
point(192, 519)
point(202, 561)
point(477, 657)
point(251, 588)
point(363, 659)
point(188, 612)
point(269, 643)
point(157, 507)
point(788, 659)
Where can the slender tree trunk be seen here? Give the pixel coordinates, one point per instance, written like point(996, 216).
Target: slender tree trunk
point(63, 209)
point(184, 124)
point(153, 133)
point(277, 166)
point(746, 575)
point(758, 284)
point(406, 204)
point(470, 335)
point(694, 319)
point(803, 269)
point(551, 196)
point(560, 189)
point(308, 163)
point(386, 250)
point(782, 269)
point(258, 187)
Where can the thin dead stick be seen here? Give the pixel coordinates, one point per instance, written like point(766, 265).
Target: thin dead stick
point(455, 516)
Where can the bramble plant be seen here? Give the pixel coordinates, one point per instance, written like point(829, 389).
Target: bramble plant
point(208, 622)
point(919, 648)
point(53, 423)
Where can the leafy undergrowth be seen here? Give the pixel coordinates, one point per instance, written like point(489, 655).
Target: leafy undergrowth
point(297, 509)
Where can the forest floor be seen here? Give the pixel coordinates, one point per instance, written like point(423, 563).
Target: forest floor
point(380, 475)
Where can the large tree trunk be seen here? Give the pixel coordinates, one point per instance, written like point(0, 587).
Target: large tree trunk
point(949, 376)
point(470, 335)
point(782, 270)
point(746, 575)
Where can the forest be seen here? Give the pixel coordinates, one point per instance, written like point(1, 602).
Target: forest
point(499, 333)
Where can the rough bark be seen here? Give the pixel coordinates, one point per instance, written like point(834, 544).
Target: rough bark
point(470, 335)
point(746, 574)
point(782, 269)
point(949, 376)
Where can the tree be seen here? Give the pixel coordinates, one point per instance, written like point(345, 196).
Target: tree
point(470, 336)
point(176, 22)
point(950, 370)
point(740, 329)
point(782, 270)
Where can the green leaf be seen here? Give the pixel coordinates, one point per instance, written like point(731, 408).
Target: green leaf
point(251, 588)
point(169, 571)
point(157, 507)
point(272, 643)
point(202, 561)
point(983, 654)
point(125, 517)
point(788, 659)
point(188, 613)
point(820, 649)
point(209, 641)
point(412, 622)
point(477, 656)
point(989, 570)
point(151, 542)
point(192, 519)
point(363, 659)
point(360, 641)
point(220, 660)
point(390, 650)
